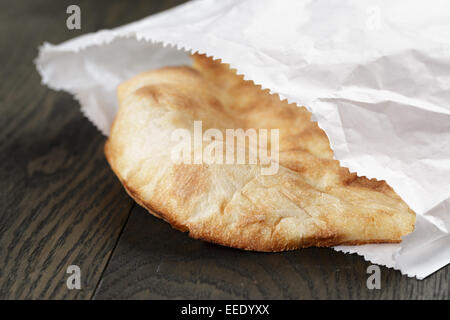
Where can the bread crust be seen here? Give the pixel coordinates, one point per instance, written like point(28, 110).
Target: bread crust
point(311, 201)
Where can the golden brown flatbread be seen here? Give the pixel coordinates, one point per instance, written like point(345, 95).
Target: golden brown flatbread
point(310, 201)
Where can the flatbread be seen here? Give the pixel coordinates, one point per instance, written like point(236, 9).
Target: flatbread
point(310, 201)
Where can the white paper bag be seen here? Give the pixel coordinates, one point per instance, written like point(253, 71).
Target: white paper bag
point(375, 75)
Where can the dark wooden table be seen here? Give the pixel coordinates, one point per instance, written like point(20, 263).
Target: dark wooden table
point(61, 205)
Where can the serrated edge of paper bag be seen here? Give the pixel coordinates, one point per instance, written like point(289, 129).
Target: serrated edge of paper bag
point(90, 114)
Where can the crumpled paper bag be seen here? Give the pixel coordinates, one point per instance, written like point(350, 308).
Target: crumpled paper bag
point(375, 75)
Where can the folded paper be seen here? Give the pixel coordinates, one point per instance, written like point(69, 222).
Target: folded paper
point(375, 75)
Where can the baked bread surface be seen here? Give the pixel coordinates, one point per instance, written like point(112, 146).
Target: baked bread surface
point(310, 201)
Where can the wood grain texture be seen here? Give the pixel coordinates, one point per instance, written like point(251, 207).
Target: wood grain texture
point(154, 261)
point(60, 203)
